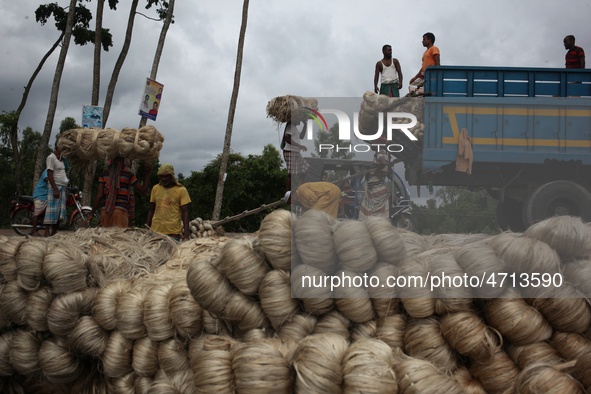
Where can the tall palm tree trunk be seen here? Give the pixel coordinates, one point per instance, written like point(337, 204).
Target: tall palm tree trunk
point(217, 208)
point(42, 152)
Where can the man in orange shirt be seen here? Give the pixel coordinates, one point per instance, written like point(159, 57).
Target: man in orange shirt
point(430, 58)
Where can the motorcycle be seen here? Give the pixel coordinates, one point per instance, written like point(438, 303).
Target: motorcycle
point(23, 207)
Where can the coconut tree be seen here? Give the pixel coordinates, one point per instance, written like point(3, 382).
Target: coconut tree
point(217, 207)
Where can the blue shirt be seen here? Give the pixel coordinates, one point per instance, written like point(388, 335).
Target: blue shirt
point(41, 190)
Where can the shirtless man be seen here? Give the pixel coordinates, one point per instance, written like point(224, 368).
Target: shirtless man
point(389, 67)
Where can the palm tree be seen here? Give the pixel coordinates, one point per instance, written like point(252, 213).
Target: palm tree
point(217, 207)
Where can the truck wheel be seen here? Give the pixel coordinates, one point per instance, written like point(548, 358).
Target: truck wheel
point(558, 198)
point(509, 215)
point(407, 222)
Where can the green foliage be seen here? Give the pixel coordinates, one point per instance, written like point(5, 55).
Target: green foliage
point(459, 211)
point(251, 182)
point(332, 137)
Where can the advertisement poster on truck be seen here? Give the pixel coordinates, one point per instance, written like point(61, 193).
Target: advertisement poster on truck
point(150, 102)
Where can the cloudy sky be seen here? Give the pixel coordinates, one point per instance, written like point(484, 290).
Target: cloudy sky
point(309, 48)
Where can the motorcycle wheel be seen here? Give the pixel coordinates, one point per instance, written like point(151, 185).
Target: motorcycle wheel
point(79, 221)
point(22, 217)
point(407, 222)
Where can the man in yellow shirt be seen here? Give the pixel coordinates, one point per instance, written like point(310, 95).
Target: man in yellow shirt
point(431, 57)
point(169, 205)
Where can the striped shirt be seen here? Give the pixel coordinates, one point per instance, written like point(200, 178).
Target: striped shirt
point(126, 182)
point(573, 57)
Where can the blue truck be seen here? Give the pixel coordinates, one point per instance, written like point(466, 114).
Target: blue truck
point(530, 130)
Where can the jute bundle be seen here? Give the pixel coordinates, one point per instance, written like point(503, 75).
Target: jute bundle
point(317, 363)
point(8, 246)
point(157, 313)
point(417, 376)
point(24, 352)
point(117, 357)
point(65, 269)
point(185, 312)
point(209, 287)
point(475, 260)
point(179, 382)
point(354, 247)
point(13, 303)
point(469, 383)
point(276, 297)
point(281, 108)
point(88, 337)
point(106, 302)
point(450, 297)
point(260, 367)
point(578, 273)
point(583, 370)
point(275, 237)
point(391, 330)
point(297, 327)
point(213, 325)
point(539, 352)
point(314, 240)
point(172, 356)
point(520, 323)
point(244, 313)
point(568, 235)
point(570, 345)
point(386, 240)
point(211, 363)
point(496, 374)
point(257, 334)
point(366, 330)
point(145, 357)
point(567, 312)
point(29, 261)
point(242, 263)
point(6, 368)
point(423, 340)
point(58, 364)
point(384, 299)
point(66, 309)
point(8, 269)
point(130, 310)
point(84, 145)
point(335, 323)
point(466, 333)
point(418, 300)
point(353, 301)
point(541, 378)
point(316, 299)
point(38, 303)
point(368, 368)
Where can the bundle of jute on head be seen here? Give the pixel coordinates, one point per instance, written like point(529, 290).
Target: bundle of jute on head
point(354, 247)
point(534, 353)
point(242, 263)
point(261, 367)
point(368, 367)
point(386, 240)
point(466, 333)
point(497, 374)
point(275, 238)
point(276, 297)
point(423, 340)
point(520, 323)
point(541, 378)
point(317, 363)
point(416, 376)
point(314, 240)
point(87, 145)
point(568, 235)
point(281, 108)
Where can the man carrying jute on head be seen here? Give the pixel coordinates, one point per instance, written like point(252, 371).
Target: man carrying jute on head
point(169, 205)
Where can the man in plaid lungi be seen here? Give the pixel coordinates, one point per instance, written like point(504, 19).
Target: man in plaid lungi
point(56, 195)
point(296, 165)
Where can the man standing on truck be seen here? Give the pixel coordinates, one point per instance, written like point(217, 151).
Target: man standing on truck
point(389, 67)
point(430, 58)
point(575, 55)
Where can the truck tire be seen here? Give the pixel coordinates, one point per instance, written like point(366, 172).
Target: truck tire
point(558, 198)
point(509, 215)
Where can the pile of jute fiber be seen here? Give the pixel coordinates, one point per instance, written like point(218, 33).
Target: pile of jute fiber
point(283, 109)
point(113, 311)
point(87, 145)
